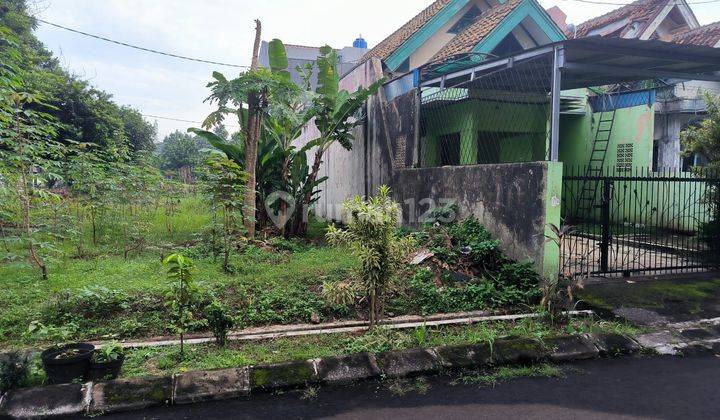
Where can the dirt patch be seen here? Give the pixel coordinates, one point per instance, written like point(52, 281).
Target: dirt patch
point(659, 301)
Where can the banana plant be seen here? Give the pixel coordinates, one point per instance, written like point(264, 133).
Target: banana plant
point(336, 113)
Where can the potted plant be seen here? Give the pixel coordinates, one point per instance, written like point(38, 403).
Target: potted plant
point(106, 362)
point(67, 363)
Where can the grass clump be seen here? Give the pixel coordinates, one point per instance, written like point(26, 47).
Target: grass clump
point(507, 373)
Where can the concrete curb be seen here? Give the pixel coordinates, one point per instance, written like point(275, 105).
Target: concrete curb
point(186, 388)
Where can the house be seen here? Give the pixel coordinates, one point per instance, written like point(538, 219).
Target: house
point(642, 19)
point(301, 55)
point(488, 102)
point(449, 28)
point(678, 103)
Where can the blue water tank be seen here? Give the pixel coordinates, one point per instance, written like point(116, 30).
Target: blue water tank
point(360, 43)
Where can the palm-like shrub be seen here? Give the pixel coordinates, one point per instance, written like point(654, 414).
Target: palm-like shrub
point(372, 236)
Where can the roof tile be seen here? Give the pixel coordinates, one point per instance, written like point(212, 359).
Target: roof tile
point(388, 46)
point(465, 41)
point(708, 35)
point(639, 11)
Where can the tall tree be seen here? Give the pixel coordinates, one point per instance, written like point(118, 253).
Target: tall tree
point(141, 135)
point(252, 137)
point(178, 150)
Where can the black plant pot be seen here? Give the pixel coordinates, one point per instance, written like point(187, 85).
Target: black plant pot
point(62, 370)
point(104, 371)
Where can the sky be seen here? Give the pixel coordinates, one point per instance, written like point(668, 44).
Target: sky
point(220, 30)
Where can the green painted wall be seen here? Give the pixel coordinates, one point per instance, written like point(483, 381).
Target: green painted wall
point(644, 205)
point(553, 196)
point(513, 132)
point(632, 126)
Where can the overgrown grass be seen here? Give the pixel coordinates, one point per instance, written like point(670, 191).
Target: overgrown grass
point(104, 295)
point(142, 280)
point(94, 292)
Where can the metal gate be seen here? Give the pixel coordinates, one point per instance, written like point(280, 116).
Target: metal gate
point(626, 221)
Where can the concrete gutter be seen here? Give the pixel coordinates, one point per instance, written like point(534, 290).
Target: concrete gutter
point(243, 382)
point(405, 322)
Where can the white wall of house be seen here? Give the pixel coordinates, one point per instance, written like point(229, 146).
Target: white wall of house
point(673, 114)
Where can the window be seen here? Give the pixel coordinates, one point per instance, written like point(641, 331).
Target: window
point(656, 155)
point(450, 149)
point(466, 20)
point(507, 46)
point(694, 160)
point(624, 157)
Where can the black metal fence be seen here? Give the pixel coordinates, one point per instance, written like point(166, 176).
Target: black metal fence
point(630, 221)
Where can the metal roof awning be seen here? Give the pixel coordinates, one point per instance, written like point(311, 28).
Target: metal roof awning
point(597, 61)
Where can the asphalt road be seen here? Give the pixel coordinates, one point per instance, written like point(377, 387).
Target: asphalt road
point(660, 388)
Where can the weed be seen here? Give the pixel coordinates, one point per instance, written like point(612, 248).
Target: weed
point(422, 335)
point(218, 318)
point(402, 386)
point(309, 393)
point(506, 373)
point(341, 293)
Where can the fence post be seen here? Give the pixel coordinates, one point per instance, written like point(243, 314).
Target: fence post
point(605, 215)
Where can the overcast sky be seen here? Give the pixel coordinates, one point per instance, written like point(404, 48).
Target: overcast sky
point(220, 30)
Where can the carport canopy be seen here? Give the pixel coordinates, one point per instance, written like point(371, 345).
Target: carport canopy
point(582, 63)
point(596, 61)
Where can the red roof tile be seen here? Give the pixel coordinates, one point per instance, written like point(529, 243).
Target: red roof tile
point(708, 35)
point(465, 41)
point(388, 46)
point(643, 11)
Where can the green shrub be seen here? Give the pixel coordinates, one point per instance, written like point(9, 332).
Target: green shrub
point(340, 293)
point(425, 297)
point(283, 306)
point(87, 304)
point(372, 236)
point(465, 242)
point(100, 302)
point(219, 320)
point(282, 244)
point(109, 352)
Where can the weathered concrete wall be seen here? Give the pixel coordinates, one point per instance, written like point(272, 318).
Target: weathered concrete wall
point(385, 141)
point(510, 200)
point(346, 169)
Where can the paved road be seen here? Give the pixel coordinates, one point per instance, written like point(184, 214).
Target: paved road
point(660, 388)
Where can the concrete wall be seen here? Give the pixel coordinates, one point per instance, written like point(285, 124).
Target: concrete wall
point(514, 201)
point(357, 171)
point(674, 110)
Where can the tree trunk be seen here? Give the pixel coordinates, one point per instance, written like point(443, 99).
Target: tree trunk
point(25, 198)
point(251, 142)
point(299, 222)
